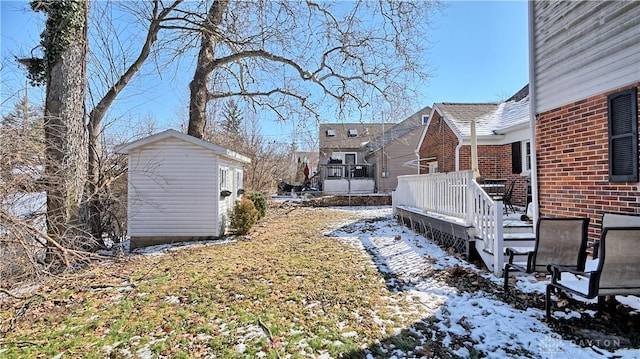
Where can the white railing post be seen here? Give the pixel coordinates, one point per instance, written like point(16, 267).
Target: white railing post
point(498, 241)
point(471, 198)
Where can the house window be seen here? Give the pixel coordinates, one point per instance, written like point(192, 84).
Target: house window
point(331, 133)
point(352, 132)
point(623, 136)
point(239, 183)
point(224, 174)
point(425, 119)
point(527, 156)
point(521, 157)
point(350, 158)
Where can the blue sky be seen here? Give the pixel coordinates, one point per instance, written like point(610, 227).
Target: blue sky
point(478, 53)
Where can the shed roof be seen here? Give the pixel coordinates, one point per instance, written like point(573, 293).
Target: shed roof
point(221, 151)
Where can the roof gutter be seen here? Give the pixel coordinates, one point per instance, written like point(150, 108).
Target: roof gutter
point(517, 126)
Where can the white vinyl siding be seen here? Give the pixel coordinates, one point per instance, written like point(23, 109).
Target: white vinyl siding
point(173, 190)
point(572, 61)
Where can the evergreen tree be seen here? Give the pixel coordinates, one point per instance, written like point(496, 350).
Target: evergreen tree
point(22, 140)
point(232, 118)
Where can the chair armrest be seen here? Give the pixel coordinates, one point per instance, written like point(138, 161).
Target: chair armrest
point(518, 250)
point(556, 271)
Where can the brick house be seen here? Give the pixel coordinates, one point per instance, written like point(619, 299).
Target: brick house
point(503, 140)
point(584, 77)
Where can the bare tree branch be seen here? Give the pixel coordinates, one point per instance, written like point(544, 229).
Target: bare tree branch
point(342, 52)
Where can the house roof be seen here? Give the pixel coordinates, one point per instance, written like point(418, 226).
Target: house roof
point(399, 130)
point(491, 118)
point(221, 151)
point(340, 138)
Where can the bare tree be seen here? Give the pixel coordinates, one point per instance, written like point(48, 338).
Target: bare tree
point(270, 161)
point(63, 70)
point(100, 171)
point(311, 58)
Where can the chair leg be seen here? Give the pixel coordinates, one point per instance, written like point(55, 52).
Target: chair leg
point(601, 303)
point(506, 277)
point(612, 306)
point(547, 301)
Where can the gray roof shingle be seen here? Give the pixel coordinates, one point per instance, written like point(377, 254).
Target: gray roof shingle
point(399, 130)
point(491, 118)
point(341, 139)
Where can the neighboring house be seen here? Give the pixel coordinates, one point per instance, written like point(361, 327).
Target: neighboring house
point(342, 164)
point(345, 141)
point(502, 134)
point(180, 188)
point(584, 80)
point(391, 150)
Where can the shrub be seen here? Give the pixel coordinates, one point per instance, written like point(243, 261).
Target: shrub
point(244, 216)
point(259, 201)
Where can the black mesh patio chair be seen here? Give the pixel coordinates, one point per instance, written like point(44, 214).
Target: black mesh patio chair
point(616, 272)
point(508, 196)
point(558, 240)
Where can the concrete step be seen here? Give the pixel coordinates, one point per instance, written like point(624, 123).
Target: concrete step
point(519, 240)
point(516, 229)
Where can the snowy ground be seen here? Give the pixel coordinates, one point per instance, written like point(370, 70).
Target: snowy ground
point(495, 327)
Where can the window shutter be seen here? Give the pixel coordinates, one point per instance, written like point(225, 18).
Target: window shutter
point(623, 136)
point(516, 157)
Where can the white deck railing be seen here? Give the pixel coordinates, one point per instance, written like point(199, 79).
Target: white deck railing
point(458, 196)
point(441, 193)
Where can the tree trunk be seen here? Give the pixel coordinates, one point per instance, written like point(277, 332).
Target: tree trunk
point(199, 86)
point(65, 168)
point(94, 126)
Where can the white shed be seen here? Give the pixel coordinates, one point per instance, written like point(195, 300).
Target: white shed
point(180, 188)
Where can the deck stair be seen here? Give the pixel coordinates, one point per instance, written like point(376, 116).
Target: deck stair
point(516, 233)
point(455, 210)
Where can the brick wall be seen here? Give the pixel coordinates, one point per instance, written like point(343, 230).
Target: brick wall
point(495, 162)
point(440, 142)
point(572, 161)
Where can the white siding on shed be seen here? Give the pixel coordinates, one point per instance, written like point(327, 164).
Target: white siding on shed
point(583, 48)
point(173, 190)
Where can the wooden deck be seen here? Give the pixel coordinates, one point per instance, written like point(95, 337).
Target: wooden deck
point(452, 233)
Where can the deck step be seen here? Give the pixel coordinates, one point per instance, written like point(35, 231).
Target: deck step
point(519, 239)
point(521, 227)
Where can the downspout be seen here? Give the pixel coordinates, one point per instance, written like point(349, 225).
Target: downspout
point(458, 146)
point(532, 115)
